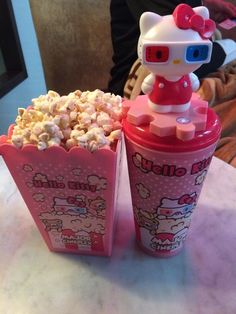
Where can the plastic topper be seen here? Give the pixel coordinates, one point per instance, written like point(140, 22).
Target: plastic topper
point(172, 47)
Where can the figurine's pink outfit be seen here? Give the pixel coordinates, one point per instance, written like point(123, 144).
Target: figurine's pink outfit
point(168, 93)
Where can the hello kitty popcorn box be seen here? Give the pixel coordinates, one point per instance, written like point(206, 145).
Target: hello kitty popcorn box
point(71, 194)
point(170, 133)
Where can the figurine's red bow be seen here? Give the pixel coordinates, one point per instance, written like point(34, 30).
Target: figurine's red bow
point(186, 18)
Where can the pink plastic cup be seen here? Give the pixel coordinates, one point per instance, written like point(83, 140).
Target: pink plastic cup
point(166, 177)
point(71, 195)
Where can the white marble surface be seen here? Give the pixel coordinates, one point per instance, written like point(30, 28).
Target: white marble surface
point(201, 279)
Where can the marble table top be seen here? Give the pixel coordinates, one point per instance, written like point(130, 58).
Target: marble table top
point(201, 279)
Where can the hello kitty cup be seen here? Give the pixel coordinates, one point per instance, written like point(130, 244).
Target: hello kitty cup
point(168, 158)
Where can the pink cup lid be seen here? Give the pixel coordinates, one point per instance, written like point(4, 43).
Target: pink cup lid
point(142, 136)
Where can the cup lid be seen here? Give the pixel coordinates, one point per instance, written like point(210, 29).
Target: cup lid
point(141, 135)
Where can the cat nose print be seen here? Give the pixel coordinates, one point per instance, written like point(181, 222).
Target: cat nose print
point(176, 61)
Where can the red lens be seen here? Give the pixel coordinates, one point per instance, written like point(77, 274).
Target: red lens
point(157, 54)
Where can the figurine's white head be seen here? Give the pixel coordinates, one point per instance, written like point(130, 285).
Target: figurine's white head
point(178, 44)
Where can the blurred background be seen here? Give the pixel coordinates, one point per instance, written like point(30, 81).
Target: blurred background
point(75, 43)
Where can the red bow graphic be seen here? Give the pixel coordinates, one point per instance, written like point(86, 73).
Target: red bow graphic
point(186, 18)
point(187, 199)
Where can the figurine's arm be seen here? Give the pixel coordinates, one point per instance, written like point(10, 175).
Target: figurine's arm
point(194, 81)
point(148, 83)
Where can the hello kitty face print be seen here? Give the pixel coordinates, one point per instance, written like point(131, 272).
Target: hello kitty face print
point(172, 47)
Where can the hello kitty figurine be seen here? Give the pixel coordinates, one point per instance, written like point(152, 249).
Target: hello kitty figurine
point(172, 47)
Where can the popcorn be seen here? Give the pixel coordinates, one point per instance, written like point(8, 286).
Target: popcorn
point(42, 145)
point(37, 129)
point(66, 133)
point(71, 143)
point(17, 140)
point(73, 115)
point(21, 111)
point(114, 135)
point(85, 119)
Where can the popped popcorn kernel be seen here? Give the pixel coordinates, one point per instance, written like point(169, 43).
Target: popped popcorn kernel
point(17, 140)
point(71, 143)
point(86, 119)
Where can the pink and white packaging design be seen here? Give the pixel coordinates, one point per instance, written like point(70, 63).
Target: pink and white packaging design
point(71, 195)
point(166, 172)
point(165, 188)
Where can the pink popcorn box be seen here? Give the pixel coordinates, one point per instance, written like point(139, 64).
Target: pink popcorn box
point(71, 195)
